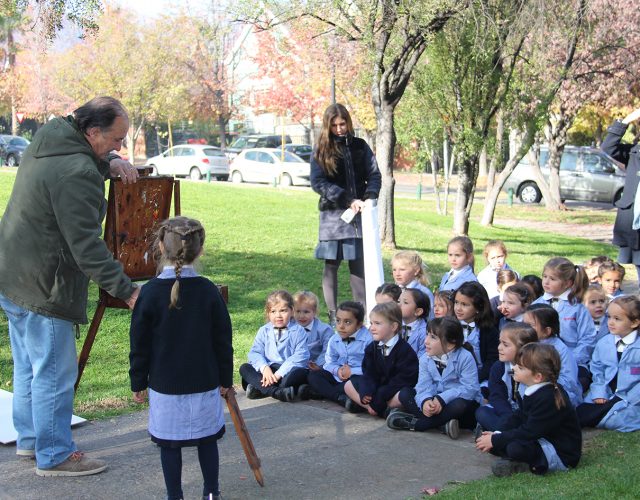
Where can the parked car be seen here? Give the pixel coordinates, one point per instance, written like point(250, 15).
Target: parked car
point(255, 141)
point(11, 149)
point(304, 151)
point(192, 160)
point(586, 174)
point(265, 165)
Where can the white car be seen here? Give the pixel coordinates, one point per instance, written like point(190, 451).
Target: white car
point(266, 164)
point(192, 160)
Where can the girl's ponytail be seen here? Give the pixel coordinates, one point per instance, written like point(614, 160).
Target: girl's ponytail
point(580, 284)
point(545, 360)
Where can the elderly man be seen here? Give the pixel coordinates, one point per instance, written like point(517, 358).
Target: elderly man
point(50, 247)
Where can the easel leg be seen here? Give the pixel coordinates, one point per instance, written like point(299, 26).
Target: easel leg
point(88, 342)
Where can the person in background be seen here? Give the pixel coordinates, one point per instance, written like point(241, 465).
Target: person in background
point(344, 172)
point(495, 253)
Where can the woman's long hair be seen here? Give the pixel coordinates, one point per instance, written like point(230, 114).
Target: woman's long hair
point(327, 150)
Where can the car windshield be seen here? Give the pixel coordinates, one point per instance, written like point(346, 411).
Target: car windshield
point(239, 143)
point(213, 152)
point(19, 141)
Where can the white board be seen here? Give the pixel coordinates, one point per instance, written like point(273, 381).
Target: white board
point(373, 271)
point(8, 432)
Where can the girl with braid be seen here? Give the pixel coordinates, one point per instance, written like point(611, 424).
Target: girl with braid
point(181, 353)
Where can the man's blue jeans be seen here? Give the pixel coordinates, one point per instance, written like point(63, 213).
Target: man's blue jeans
point(44, 372)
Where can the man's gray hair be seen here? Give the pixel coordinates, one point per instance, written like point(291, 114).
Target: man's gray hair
point(99, 112)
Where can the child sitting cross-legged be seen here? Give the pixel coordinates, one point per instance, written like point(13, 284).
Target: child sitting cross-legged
point(448, 390)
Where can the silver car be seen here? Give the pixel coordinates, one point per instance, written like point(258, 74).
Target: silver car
point(266, 165)
point(586, 174)
point(192, 160)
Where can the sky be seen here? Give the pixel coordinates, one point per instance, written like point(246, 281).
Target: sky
point(153, 8)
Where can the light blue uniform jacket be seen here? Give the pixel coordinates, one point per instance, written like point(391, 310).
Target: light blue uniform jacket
point(291, 352)
point(488, 278)
point(459, 379)
point(625, 414)
point(417, 334)
point(427, 292)
point(568, 370)
point(577, 329)
point(317, 339)
point(466, 274)
point(352, 354)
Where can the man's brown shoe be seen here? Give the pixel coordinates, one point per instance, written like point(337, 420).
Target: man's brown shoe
point(76, 465)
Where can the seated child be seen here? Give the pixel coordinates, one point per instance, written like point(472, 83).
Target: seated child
point(460, 256)
point(443, 303)
point(504, 391)
point(495, 253)
point(388, 292)
point(305, 310)
point(504, 280)
point(544, 434)
point(409, 272)
point(595, 300)
point(610, 276)
point(591, 267)
point(389, 365)
point(545, 321)
point(343, 358)
point(414, 306)
point(447, 393)
point(472, 309)
point(279, 355)
point(613, 401)
point(515, 300)
point(564, 285)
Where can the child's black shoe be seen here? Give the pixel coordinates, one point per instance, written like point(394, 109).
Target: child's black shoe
point(285, 394)
point(353, 407)
point(504, 467)
point(305, 392)
point(342, 400)
point(401, 421)
point(477, 432)
point(452, 428)
point(253, 393)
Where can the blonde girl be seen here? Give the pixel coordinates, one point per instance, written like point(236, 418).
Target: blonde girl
point(544, 435)
point(181, 353)
point(443, 303)
point(279, 355)
point(409, 271)
point(504, 391)
point(460, 256)
point(564, 285)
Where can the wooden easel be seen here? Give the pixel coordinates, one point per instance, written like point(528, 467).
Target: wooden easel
point(133, 210)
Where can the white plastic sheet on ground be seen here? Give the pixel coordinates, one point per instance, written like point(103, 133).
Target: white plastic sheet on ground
point(8, 433)
point(373, 271)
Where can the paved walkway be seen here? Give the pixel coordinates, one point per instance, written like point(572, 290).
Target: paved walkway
point(308, 450)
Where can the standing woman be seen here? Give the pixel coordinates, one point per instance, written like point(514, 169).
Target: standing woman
point(626, 230)
point(344, 172)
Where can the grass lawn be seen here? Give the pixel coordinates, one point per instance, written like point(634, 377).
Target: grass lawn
point(261, 238)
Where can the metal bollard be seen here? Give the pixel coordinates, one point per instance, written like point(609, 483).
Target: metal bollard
point(419, 191)
point(208, 175)
point(510, 197)
point(275, 182)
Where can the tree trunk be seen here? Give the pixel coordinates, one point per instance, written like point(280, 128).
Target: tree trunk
point(482, 165)
point(448, 172)
point(435, 169)
point(491, 198)
point(222, 132)
point(385, 145)
point(497, 159)
point(556, 133)
point(467, 176)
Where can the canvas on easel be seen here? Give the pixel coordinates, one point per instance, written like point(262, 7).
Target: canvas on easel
point(133, 212)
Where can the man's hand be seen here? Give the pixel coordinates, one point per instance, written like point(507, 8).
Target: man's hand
point(123, 169)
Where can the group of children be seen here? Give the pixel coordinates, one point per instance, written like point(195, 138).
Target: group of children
point(524, 362)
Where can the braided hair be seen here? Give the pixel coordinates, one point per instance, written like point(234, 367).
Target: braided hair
point(178, 242)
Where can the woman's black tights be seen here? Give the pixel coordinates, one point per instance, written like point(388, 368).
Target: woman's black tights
point(330, 282)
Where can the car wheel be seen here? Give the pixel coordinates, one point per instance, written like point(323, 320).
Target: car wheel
point(194, 174)
point(617, 196)
point(530, 193)
point(285, 180)
point(236, 177)
point(223, 178)
point(154, 170)
point(11, 161)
